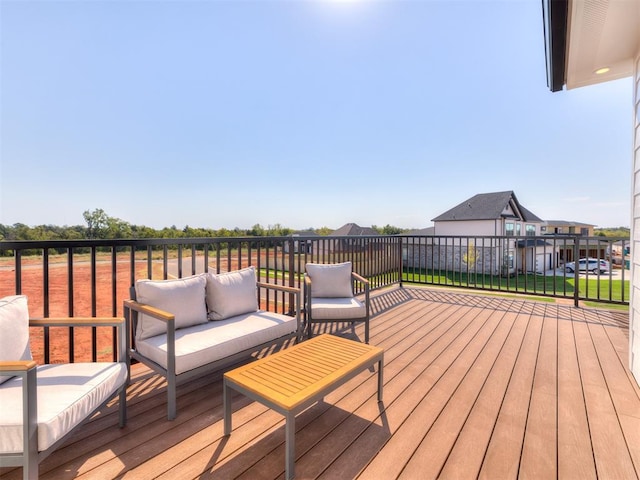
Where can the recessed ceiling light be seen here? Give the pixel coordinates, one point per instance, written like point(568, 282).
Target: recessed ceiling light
point(602, 70)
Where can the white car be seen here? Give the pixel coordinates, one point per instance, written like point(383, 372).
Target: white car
point(588, 265)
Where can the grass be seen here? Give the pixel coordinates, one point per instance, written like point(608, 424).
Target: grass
point(601, 289)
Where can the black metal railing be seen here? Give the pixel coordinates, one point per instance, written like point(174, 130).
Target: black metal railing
point(533, 265)
point(93, 277)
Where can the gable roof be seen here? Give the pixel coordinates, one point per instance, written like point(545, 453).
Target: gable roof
point(566, 223)
point(488, 206)
point(352, 229)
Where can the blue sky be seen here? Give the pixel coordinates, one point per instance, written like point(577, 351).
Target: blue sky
point(300, 113)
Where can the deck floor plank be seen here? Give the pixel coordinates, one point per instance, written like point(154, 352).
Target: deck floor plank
point(468, 452)
point(539, 450)
point(476, 386)
point(575, 454)
point(610, 450)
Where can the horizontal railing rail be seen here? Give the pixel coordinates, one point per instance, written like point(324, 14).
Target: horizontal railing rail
point(93, 277)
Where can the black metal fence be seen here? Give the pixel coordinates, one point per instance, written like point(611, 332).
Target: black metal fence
point(93, 277)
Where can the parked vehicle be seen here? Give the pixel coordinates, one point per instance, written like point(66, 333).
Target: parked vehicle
point(588, 265)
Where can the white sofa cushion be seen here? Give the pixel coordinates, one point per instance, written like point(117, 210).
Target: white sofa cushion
point(14, 328)
point(233, 293)
point(206, 343)
point(67, 393)
point(332, 280)
point(183, 297)
point(337, 308)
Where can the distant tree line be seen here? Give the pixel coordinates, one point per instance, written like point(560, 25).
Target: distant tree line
point(101, 226)
point(613, 232)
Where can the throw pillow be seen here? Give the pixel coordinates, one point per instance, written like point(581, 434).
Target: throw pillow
point(14, 325)
point(183, 297)
point(233, 293)
point(330, 280)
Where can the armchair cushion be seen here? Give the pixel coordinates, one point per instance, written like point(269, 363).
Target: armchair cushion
point(14, 328)
point(67, 394)
point(184, 297)
point(330, 280)
point(233, 293)
point(342, 308)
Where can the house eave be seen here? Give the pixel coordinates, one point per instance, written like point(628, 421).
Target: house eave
point(555, 14)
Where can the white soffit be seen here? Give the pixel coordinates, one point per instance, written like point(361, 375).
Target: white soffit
point(601, 33)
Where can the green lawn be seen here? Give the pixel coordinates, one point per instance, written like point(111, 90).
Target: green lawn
point(594, 289)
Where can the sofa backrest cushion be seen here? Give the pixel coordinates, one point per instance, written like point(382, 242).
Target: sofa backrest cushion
point(331, 280)
point(233, 293)
point(14, 328)
point(183, 297)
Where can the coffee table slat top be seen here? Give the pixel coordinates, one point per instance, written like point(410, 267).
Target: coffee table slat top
point(289, 377)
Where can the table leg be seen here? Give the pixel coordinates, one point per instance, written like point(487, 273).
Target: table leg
point(226, 406)
point(380, 379)
point(290, 444)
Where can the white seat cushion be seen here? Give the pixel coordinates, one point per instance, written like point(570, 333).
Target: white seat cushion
point(224, 338)
point(337, 308)
point(67, 393)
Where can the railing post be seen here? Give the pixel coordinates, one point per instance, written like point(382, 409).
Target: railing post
point(576, 272)
point(400, 258)
point(291, 270)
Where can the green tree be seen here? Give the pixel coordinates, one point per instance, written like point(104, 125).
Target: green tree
point(97, 222)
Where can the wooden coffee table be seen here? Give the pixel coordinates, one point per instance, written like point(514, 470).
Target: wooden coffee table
point(294, 379)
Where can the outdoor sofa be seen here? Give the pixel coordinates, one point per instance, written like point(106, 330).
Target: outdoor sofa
point(183, 328)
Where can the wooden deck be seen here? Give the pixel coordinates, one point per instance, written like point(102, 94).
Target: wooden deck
point(476, 386)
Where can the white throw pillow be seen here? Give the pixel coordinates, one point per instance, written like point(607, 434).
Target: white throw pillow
point(332, 280)
point(14, 328)
point(233, 293)
point(183, 297)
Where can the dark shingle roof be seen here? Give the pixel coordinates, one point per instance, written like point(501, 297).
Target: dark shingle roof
point(486, 206)
point(352, 229)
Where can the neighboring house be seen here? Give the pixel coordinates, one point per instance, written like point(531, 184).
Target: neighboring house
point(562, 227)
point(429, 231)
point(351, 229)
point(586, 43)
point(348, 243)
point(500, 214)
point(496, 214)
point(474, 236)
point(302, 246)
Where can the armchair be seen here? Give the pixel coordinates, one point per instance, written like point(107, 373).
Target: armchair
point(41, 405)
point(329, 296)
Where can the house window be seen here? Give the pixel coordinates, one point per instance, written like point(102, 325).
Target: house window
point(508, 229)
point(584, 232)
point(518, 229)
point(530, 230)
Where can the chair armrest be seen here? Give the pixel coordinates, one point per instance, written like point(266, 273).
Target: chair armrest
point(119, 322)
point(361, 279)
point(282, 288)
point(149, 310)
point(77, 322)
point(9, 367)
point(292, 290)
point(162, 315)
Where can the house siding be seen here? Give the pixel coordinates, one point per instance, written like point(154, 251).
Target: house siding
point(634, 326)
point(468, 227)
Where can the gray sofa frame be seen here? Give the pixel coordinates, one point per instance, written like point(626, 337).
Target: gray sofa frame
point(131, 310)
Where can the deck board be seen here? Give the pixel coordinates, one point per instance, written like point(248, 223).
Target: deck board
point(476, 386)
